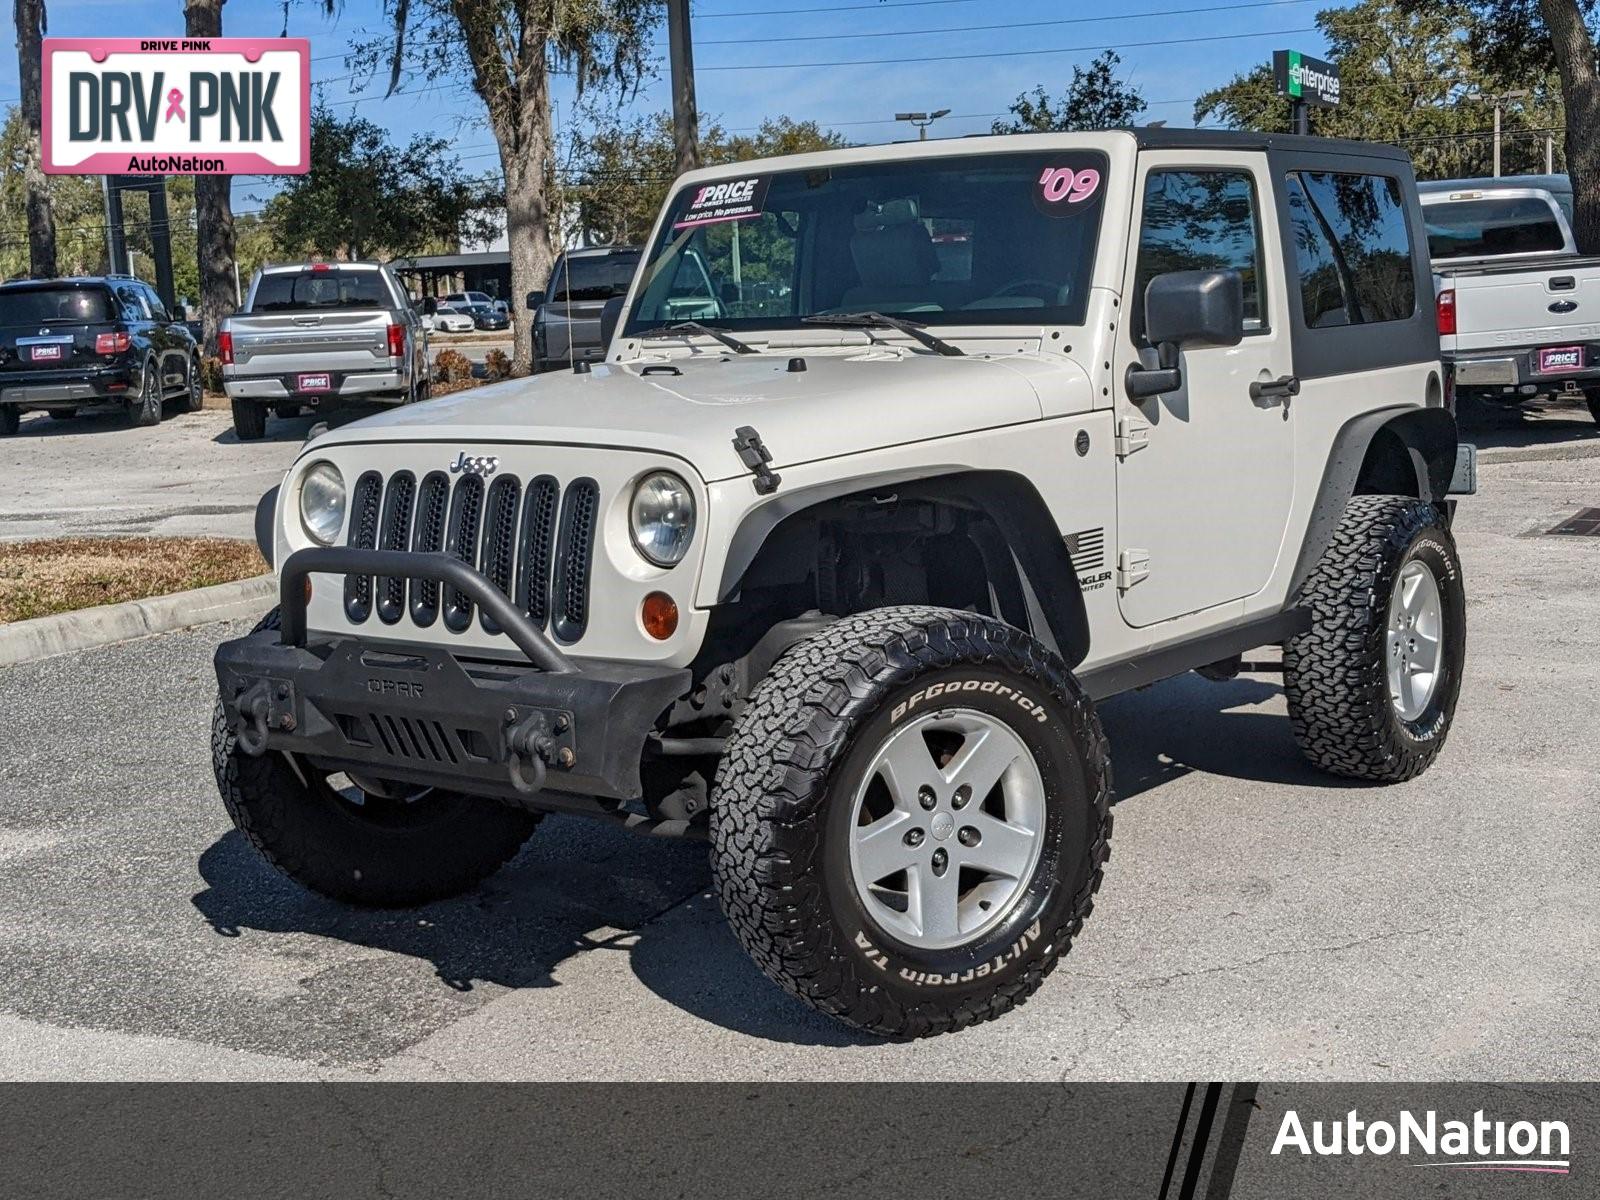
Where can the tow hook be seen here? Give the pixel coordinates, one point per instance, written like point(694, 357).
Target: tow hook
point(532, 745)
point(255, 709)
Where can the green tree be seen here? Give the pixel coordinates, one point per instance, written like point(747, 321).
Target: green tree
point(1525, 39)
point(1410, 75)
point(1095, 99)
point(507, 49)
point(31, 24)
point(363, 195)
point(75, 201)
point(617, 176)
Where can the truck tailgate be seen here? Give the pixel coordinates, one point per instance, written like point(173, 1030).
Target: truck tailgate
point(275, 343)
point(1526, 304)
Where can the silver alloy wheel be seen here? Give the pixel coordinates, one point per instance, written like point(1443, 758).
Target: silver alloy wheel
point(1415, 644)
point(947, 828)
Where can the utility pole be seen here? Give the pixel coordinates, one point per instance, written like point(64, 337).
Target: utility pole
point(685, 118)
point(1498, 102)
point(922, 120)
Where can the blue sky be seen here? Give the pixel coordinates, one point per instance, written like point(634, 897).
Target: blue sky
point(759, 58)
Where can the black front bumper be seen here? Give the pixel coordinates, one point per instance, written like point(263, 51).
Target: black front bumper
point(419, 715)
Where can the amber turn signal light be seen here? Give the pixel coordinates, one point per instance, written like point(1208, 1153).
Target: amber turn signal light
point(659, 614)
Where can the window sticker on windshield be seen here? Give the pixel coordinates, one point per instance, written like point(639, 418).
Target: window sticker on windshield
point(1061, 191)
point(735, 200)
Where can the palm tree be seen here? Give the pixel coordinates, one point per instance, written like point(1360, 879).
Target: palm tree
point(213, 204)
point(507, 48)
point(31, 26)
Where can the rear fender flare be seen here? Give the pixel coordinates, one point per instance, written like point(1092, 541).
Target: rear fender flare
point(1429, 438)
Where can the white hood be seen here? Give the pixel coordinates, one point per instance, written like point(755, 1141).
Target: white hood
point(690, 406)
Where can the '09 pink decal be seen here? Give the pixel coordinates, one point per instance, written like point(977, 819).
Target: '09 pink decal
point(1059, 184)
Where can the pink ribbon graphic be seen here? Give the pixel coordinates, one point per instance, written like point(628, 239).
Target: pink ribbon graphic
point(175, 106)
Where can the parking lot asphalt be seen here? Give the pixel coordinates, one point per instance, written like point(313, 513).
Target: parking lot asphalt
point(1258, 919)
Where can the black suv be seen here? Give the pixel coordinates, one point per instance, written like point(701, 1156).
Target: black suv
point(67, 343)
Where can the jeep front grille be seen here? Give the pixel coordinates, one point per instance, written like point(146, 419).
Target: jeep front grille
point(578, 511)
point(535, 544)
point(363, 534)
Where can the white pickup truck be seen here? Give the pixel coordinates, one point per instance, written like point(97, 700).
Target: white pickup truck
point(1519, 308)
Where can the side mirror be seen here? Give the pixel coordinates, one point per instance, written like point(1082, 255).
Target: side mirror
point(430, 305)
point(535, 301)
point(609, 316)
point(1186, 310)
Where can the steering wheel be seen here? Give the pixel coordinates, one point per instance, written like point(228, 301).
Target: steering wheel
point(1048, 289)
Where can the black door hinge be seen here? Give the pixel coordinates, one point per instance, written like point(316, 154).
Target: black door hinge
point(753, 453)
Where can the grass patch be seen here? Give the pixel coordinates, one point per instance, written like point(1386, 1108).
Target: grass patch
point(57, 575)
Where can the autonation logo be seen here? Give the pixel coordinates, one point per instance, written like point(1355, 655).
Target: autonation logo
point(1476, 1145)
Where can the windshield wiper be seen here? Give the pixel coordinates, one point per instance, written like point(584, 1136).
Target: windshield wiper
point(711, 331)
point(877, 320)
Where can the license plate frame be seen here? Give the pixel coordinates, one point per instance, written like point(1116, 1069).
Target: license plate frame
point(49, 353)
point(313, 382)
point(1547, 359)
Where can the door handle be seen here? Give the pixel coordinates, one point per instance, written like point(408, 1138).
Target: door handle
point(1275, 389)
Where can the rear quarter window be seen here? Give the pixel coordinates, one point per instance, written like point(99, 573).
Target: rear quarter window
point(1352, 248)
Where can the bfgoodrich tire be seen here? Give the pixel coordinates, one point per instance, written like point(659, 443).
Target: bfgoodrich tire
point(858, 745)
point(356, 847)
point(1372, 686)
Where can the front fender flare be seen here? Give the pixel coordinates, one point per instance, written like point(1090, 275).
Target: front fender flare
point(1008, 499)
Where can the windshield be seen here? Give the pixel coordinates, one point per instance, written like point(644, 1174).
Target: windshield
point(1491, 226)
point(598, 277)
point(983, 239)
point(60, 306)
point(320, 289)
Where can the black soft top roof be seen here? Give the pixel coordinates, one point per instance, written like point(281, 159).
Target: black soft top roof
point(1163, 138)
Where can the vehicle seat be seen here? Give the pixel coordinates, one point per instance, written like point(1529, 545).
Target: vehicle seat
point(895, 262)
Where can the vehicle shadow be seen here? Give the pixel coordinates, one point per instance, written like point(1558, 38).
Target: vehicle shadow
point(108, 418)
point(299, 429)
point(582, 886)
point(1492, 427)
point(1192, 724)
point(572, 888)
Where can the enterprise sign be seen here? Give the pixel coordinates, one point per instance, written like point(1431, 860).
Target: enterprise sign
point(177, 106)
point(1309, 80)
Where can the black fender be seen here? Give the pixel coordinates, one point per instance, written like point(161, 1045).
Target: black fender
point(1009, 500)
point(1428, 436)
point(266, 510)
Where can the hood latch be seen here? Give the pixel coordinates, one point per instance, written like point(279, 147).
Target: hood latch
point(753, 453)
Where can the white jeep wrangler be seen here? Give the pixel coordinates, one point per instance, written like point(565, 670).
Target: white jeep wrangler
point(899, 459)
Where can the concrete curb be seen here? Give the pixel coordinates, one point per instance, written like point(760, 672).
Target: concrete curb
point(45, 637)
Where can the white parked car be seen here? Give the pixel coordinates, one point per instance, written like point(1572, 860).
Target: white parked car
point(898, 460)
point(449, 319)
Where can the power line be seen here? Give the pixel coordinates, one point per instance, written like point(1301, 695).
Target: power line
point(1132, 16)
point(877, 62)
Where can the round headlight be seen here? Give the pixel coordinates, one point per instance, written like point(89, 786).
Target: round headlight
point(661, 518)
point(322, 500)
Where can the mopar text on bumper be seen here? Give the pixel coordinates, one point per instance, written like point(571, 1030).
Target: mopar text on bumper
point(419, 715)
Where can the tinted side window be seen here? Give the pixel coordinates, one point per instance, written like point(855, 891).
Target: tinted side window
point(134, 306)
point(1200, 221)
point(153, 302)
point(1352, 249)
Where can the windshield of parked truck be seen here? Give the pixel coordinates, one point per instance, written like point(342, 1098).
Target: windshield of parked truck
point(980, 239)
point(330, 288)
point(1491, 226)
point(58, 306)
